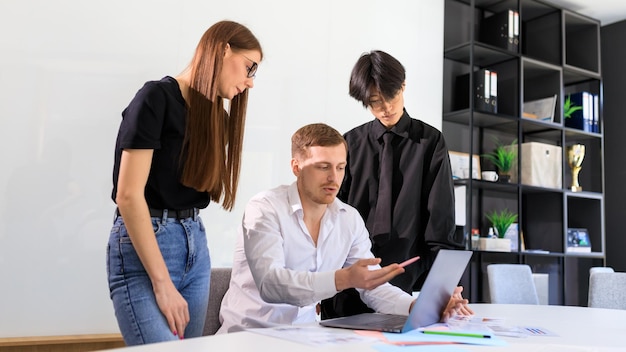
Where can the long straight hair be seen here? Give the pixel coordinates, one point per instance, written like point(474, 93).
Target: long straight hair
point(214, 136)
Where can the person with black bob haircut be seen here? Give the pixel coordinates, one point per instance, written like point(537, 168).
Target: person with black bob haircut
point(405, 192)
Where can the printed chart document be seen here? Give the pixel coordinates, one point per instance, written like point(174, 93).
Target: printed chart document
point(314, 335)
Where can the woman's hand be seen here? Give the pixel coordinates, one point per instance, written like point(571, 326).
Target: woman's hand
point(173, 306)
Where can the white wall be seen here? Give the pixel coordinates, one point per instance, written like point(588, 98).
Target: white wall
point(69, 67)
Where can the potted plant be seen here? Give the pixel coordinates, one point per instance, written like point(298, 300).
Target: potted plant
point(501, 221)
point(569, 107)
point(572, 120)
point(503, 158)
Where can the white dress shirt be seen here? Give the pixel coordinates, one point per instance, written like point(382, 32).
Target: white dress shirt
point(279, 274)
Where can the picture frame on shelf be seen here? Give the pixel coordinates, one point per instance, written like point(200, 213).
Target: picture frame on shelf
point(541, 109)
point(460, 163)
point(578, 241)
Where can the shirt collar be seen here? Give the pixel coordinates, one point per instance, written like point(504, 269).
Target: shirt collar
point(401, 128)
point(294, 198)
point(295, 203)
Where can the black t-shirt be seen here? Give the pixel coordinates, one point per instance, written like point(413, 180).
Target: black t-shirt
point(155, 119)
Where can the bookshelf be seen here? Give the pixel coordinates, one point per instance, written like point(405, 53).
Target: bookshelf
point(538, 51)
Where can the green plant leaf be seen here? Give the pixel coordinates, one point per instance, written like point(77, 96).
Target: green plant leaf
point(501, 220)
point(503, 156)
point(569, 107)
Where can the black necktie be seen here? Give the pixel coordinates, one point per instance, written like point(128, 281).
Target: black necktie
point(382, 220)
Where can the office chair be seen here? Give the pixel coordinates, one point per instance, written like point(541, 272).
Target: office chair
point(220, 279)
point(511, 284)
point(607, 290)
point(600, 269)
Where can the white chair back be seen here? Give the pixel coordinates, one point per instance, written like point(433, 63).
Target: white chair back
point(607, 290)
point(511, 284)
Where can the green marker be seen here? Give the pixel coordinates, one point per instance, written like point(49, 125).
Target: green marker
point(456, 333)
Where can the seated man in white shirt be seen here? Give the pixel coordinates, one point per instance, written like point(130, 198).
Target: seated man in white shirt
point(299, 244)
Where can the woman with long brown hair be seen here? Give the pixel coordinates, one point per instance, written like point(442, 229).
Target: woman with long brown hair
point(178, 148)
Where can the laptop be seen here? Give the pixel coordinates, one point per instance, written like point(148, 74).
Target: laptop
point(442, 279)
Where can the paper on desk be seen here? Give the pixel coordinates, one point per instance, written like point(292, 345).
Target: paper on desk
point(421, 348)
point(314, 335)
point(537, 331)
point(379, 336)
point(501, 329)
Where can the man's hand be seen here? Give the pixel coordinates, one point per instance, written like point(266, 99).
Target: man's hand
point(360, 276)
point(456, 306)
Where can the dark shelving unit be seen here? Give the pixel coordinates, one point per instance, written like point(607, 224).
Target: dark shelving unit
point(550, 52)
point(613, 57)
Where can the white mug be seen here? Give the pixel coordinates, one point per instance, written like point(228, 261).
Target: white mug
point(491, 176)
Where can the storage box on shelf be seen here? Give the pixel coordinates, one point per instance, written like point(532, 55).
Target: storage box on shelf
point(542, 165)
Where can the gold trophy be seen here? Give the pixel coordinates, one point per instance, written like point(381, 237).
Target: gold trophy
point(575, 156)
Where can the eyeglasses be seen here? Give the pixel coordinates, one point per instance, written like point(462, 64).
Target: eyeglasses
point(252, 68)
point(379, 104)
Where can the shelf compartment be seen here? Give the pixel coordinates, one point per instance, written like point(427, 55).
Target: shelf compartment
point(460, 91)
point(541, 31)
point(591, 175)
point(586, 120)
point(492, 199)
point(581, 42)
point(541, 80)
point(586, 212)
point(466, 29)
point(542, 220)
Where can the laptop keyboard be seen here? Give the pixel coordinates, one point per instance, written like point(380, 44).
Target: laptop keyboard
point(380, 320)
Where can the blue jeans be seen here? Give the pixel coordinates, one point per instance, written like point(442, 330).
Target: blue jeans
point(184, 247)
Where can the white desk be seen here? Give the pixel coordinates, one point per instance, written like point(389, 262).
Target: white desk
point(579, 329)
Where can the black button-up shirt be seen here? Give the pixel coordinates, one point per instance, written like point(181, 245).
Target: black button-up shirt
point(423, 193)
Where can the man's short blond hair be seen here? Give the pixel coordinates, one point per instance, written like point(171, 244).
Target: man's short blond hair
point(315, 135)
